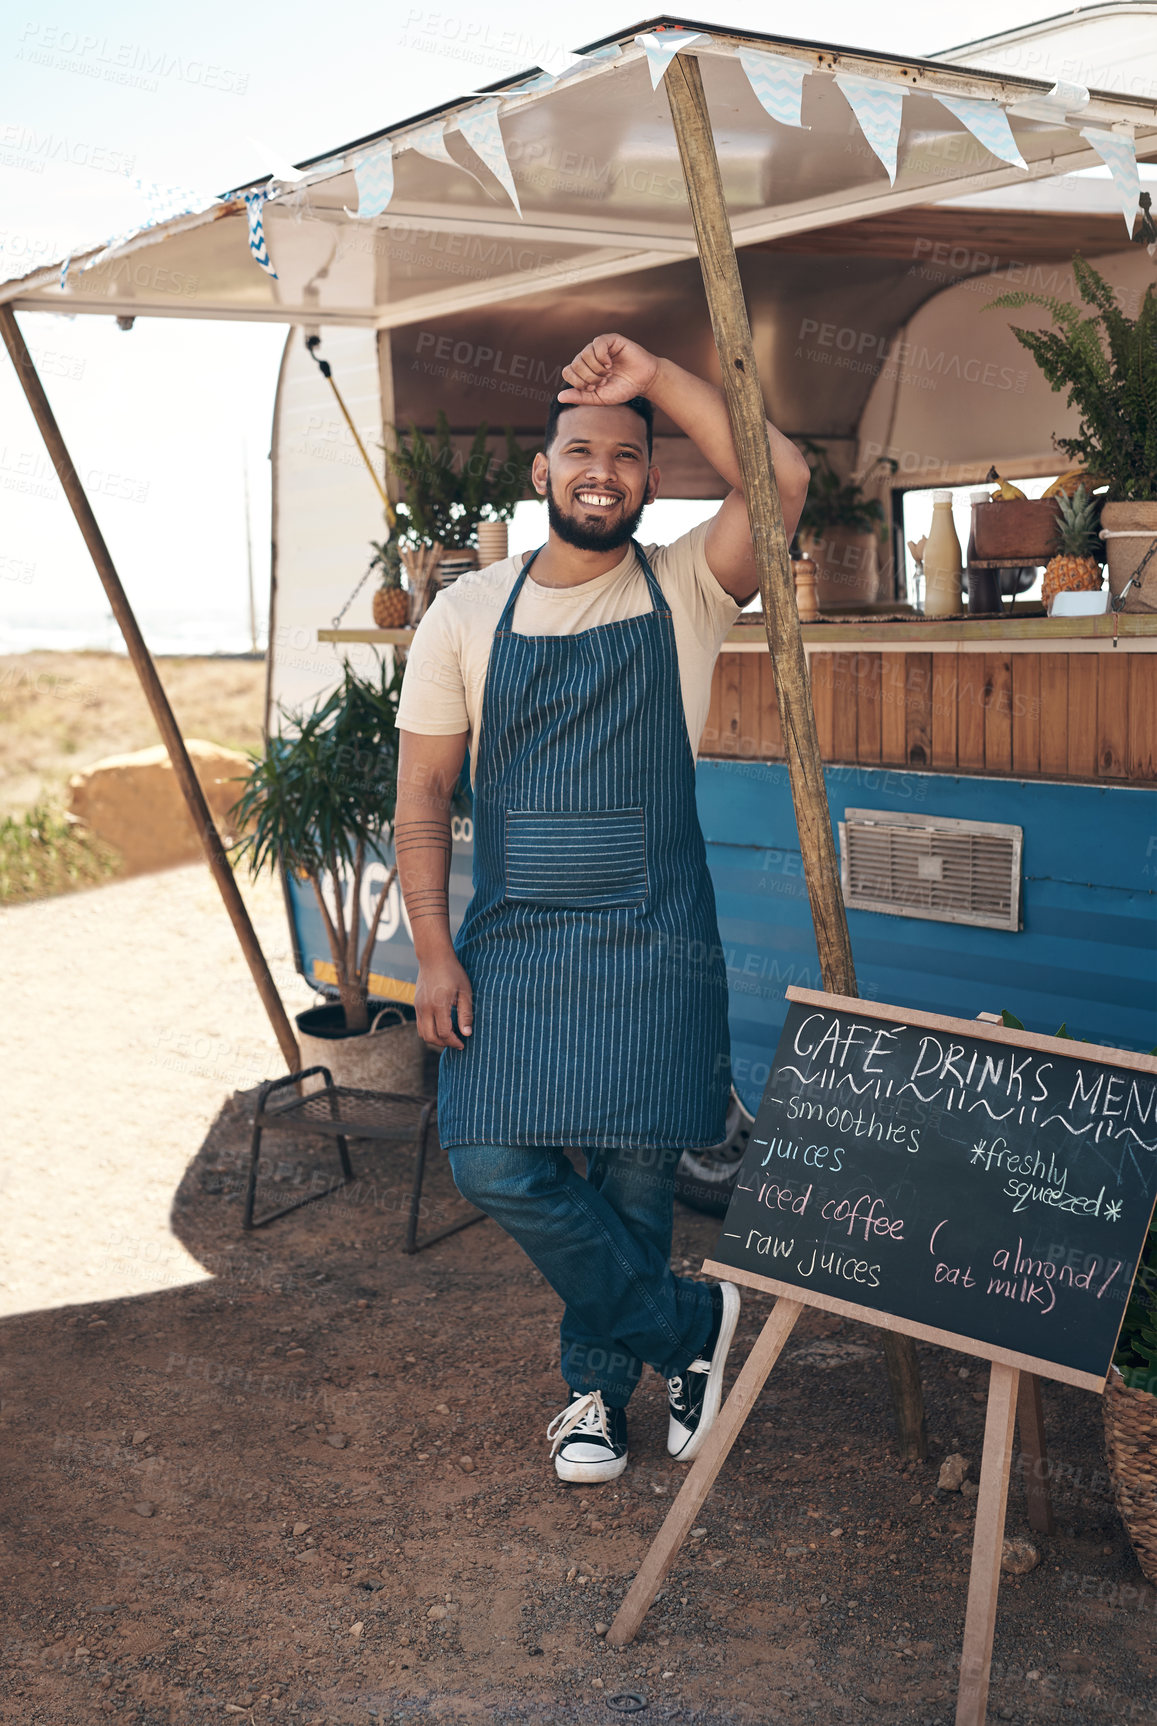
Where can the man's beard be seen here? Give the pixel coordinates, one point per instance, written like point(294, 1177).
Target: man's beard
point(592, 536)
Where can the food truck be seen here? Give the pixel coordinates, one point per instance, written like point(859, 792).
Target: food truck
point(990, 779)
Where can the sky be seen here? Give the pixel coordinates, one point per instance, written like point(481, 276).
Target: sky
point(169, 422)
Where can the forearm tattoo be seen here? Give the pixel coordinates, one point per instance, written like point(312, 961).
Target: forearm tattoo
point(423, 847)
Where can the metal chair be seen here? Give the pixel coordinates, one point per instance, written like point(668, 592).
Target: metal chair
point(341, 1112)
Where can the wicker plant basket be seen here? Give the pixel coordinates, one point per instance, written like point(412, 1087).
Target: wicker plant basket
point(1131, 1443)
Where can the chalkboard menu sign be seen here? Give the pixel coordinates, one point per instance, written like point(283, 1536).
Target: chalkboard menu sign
point(987, 1188)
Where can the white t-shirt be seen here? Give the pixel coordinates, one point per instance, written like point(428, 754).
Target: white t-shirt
point(446, 666)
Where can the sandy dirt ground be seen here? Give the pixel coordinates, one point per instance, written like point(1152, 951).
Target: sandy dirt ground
point(298, 1476)
point(60, 712)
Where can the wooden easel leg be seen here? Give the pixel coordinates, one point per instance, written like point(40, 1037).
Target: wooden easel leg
point(1030, 1419)
point(907, 1395)
point(698, 1484)
point(988, 1540)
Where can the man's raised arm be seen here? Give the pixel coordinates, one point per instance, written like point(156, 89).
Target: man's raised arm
point(611, 369)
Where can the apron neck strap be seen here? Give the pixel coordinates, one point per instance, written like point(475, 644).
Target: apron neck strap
point(658, 603)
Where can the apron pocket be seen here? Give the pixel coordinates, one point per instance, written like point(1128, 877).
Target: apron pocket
point(587, 860)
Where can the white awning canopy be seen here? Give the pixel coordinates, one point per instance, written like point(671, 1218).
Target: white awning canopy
point(591, 155)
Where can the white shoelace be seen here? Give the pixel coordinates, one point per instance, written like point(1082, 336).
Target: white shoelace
point(586, 1417)
point(675, 1385)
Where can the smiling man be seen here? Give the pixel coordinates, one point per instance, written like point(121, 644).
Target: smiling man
point(583, 1003)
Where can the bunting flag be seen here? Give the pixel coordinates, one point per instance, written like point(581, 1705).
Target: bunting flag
point(1119, 154)
point(877, 107)
point(988, 123)
point(166, 202)
point(777, 83)
point(374, 178)
point(479, 126)
point(255, 206)
point(559, 61)
point(1053, 105)
point(431, 141)
point(662, 46)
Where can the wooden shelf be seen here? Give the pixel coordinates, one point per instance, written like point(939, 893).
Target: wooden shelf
point(832, 632)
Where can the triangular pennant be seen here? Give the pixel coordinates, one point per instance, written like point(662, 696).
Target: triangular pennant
point(877, 107)
point(255, 207)
point(374, 178)
point(1053, 105)
point(166, 202)
point(777, 83)
point(988, 123)
point(431, 141)
point(662, 46)
point(1119, 154)
point(558, 61)
point(479, 126)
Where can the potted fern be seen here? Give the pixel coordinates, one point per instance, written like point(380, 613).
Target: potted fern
point(1107, 361)
point(840, 530)
point(320, 802)
point(444, 497)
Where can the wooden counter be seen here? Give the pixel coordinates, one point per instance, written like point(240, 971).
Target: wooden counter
point(1028, 697)
point(985, 696)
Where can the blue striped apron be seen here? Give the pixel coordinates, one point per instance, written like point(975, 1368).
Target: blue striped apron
point(591, 941)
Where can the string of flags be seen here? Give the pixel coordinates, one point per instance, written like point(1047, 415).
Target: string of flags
point(777, 81)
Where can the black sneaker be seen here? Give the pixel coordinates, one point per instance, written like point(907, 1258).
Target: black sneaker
point(693, 1397)
point(590, 1439)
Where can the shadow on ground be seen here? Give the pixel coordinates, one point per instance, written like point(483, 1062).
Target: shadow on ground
point(316, 1489)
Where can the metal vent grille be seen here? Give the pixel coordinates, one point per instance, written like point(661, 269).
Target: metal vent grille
point(931, 866)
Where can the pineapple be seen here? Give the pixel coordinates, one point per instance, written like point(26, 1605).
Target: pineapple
point(1077, 564)
point(391, 601)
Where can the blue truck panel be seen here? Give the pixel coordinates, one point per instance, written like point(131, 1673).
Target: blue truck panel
point(1086, 953)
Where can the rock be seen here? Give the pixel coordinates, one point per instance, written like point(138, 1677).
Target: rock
point(436, 1613)
point(144, 1508)
point(309, 1556)
point(357, 1630)
point(300, 1528)
point(368, 1580)
point(698, 1533)
point(466, 1464)
point(969, 1489)
point(601, 1629)
point(339, 1440)
point(135, 803)
point(294, 1353)
point(952, 1472)
point(140, 1437)
point(440, 1408)
point(1018, 1557)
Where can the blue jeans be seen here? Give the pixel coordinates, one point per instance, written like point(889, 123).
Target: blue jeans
point(603, 1243)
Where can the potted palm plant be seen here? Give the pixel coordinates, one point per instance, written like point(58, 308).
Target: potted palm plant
point(320, 801)
point(1107, 361)
point(840, 530)
point(444, 497)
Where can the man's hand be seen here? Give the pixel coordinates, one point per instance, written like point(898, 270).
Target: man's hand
point(442, 986)
point(608, 371)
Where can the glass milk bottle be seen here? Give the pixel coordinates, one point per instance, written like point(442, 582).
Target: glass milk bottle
point(942, 561)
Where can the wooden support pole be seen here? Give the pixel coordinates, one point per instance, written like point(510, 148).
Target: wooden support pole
point(151, 684)
point(706, 1466)
point(987, 1546)
point(1031, 1421)
point(741, 387)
